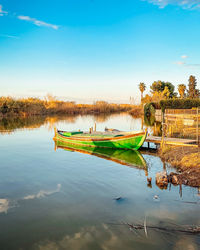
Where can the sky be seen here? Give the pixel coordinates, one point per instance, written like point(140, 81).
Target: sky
point(85, 50)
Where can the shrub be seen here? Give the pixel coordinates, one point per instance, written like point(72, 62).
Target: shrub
point(179, 104)
point(149, 109)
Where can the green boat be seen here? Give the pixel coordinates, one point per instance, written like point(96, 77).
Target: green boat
point(108, 139)
point(131, 158)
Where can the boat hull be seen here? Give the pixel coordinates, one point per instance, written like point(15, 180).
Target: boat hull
point(131, 141)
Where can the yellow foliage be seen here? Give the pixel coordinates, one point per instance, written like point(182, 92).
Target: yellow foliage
point(50, 105)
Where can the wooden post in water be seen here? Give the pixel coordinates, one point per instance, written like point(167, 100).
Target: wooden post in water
point(197, 130)
point(142, 124)
point(163, 122)
point(55, 146)
point(55, 130)
point(95, 127)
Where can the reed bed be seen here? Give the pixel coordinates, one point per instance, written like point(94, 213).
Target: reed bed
point(34, 106)
point(136, 111)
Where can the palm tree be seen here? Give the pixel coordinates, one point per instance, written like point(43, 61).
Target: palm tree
point(181, 90)
point(142, 88)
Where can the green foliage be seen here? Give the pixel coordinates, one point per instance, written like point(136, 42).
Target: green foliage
point(149, 120)
point(149, 109)
point(179, 103)
point(160, 86)
point(156, 86)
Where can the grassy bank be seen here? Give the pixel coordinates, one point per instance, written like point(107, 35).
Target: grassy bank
point(186, 160)
point(136, 111)
point(33, 106)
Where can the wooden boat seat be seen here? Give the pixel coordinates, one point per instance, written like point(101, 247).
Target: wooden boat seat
point(95, 134)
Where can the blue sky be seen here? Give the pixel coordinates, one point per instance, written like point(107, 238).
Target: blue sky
point(96, 49)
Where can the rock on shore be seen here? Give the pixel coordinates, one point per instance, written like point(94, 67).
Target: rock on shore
point(187, 161)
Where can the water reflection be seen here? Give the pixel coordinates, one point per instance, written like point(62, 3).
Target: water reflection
point(43, 193)
point(80, 217)
point(102, 117)
point(107, 236)
point(91, 237)
point(4, 205)
point(10, 124)
point(130, 158)
point(155, 126)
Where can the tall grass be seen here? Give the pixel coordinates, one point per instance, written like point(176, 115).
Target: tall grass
point(34, 106)
point(136, 111)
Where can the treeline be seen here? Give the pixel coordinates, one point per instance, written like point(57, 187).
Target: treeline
point(149, 108)
point(179, 103)
point(161, 90)
point(34, 106)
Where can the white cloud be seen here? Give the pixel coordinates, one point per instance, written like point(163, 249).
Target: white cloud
point(180, 63)
point(184, 57)
point(38, 22)
point(29, 19)
point(2, 12)
point(192, 65)
point(9, 36)
point(186, 4)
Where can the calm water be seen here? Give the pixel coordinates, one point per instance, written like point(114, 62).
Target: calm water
point(66, 200)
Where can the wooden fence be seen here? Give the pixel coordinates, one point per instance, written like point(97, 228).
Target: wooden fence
point(182, 123)
point(192, 111)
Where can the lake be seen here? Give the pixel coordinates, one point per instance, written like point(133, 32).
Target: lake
point(64, 199)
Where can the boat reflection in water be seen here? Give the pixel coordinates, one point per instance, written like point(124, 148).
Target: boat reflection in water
point(131, 158)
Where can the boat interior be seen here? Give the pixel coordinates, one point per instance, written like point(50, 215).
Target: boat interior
point(98, 134)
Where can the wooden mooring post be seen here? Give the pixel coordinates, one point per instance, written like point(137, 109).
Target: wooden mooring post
point(197, 128)
point(163, 124)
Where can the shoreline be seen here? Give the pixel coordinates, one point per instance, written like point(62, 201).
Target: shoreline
point(33, 106)
point(134, 112)
point(66, 112)
point(186, 160)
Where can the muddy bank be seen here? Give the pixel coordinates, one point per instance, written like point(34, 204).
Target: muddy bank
point(186, 160)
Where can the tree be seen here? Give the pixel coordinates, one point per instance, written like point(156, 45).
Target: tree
point(159, 86)
point(142, 88)
point(165, 93)
point(171, 89)
point(147, 99)
point(156, 86)
point(181, 90)
point(192, 91)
